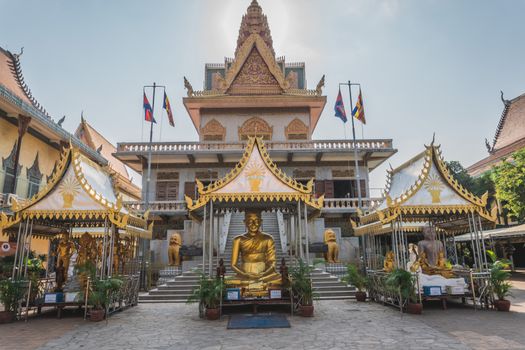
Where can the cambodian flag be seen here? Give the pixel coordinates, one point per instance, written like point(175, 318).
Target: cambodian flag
point(340, 108)
point(148, 111)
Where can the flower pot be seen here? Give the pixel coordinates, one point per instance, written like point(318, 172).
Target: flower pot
point(360, 296)
point(502, 304)
point(213, 314)
point(96, 315)
point(7, 316)
point(307, 310)
point(414, 309)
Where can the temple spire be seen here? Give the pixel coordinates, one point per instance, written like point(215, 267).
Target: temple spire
point(254, 22)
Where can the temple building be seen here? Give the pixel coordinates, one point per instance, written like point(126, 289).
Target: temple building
point(255, 93)
point(509, 136)
point(31, 142)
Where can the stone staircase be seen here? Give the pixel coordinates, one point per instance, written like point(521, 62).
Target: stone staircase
point(328, 287)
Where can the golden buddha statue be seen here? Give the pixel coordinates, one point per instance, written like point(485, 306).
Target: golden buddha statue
point(256, 250)
point(64, 251)
point(332, 255)
point(389, 263)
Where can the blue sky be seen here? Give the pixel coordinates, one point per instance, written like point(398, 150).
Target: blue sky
point(425, 66)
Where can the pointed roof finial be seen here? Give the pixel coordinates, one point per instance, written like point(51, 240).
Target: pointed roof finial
point(254, 22)
point(82, 120)
point(433, 139)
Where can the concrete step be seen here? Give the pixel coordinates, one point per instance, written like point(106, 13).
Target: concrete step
point(156, 292)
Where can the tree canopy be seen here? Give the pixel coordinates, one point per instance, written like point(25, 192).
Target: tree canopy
point(509, 180)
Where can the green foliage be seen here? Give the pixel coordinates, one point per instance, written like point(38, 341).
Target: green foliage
point(88, 269)
point(208, 292)
point(101, 290)
point(302, 282)
point(355, 278)
point(402, 281)
point(11, 291)
point(509, 179)
point(499, 278)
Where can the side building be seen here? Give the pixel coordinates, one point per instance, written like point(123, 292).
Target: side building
point(256, 93)
point(509, 136)
point(31, 142)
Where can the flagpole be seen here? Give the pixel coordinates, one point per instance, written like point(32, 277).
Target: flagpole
point(150, 146)
point(357, 174)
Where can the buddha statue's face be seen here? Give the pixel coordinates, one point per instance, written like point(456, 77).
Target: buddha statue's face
point(429, 233)
point(253, 223)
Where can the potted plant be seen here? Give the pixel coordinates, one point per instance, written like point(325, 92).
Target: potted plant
point(208, 293)
point(402, 282)
point(302, 287)
point(355, 278)
point(99, 296)
point(11, 291)
point(499, 279)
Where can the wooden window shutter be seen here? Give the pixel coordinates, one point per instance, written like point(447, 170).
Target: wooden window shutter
point(329, 189)
point(189, 189)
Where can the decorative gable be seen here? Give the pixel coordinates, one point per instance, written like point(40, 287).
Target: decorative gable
point(255, 77)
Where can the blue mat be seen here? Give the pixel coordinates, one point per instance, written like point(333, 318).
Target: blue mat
point(258, 321)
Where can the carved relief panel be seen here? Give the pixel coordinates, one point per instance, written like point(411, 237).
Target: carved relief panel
point(255, 127)
point(213, 131)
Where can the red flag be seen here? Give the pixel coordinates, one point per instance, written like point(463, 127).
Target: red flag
point(148, 111)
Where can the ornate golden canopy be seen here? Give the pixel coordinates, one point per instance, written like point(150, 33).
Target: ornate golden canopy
point(421, 189)
point(80, 193)
point(256, 179)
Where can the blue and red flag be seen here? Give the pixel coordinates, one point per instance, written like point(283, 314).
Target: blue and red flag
point(359, 109)
point(148, 111)
point(166, 105)
point(339, 108)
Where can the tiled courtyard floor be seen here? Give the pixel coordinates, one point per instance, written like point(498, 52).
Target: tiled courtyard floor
point(336, 325)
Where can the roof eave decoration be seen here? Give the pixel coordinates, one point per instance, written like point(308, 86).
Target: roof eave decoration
point(113, 211)
point(299, 191)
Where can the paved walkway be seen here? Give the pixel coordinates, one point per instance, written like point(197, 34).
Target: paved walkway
point(336, 325)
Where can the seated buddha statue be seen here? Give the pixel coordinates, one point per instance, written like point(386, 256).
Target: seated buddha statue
point(253, 259)
point(432, 255)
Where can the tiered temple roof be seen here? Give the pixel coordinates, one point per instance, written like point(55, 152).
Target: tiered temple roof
point(256, 74)
point(509, 136)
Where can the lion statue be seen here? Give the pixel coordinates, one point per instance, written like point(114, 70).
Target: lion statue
point(332, 255)
point(174, 248)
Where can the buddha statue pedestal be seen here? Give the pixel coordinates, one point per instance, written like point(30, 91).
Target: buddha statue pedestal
point(256, 274)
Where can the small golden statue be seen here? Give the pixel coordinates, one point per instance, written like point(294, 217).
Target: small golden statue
point(389, 263)
point(87, 249)
point(332, 255)
point(439, 269)
point(116, 254)
point(174, 249)
point(65, 250)
point(256, 250)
